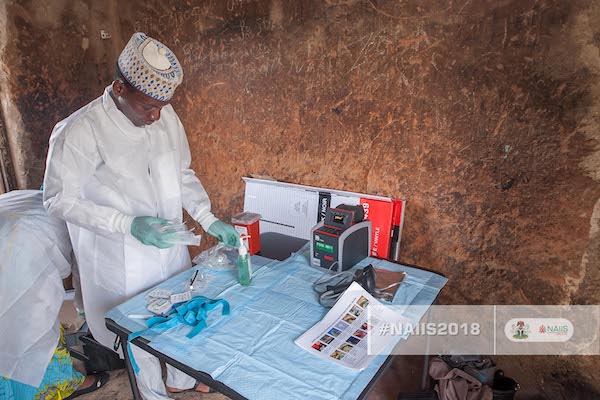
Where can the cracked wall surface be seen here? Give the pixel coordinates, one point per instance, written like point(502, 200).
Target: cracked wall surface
point(483, 115)
point(12, 148)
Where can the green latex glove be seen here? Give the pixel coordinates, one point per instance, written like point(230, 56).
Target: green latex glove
point(145, 229)
point(225, 233)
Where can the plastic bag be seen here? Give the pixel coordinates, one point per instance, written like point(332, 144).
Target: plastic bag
point(220, 257)
point(197, 283)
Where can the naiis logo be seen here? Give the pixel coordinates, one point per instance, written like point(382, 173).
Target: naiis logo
point(539, 330)
point(561, 330)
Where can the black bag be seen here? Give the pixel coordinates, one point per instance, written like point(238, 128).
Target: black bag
point(99, 358)
point(96, 358)
point(504, 388)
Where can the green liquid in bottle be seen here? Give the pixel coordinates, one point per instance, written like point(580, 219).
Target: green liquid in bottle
point(244, 267)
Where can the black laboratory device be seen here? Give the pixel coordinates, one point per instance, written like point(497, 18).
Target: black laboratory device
point(342, 238)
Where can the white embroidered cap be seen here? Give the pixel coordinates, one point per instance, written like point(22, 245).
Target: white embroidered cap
point(150, 67)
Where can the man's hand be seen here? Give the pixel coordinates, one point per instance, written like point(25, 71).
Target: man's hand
point(225, 233)
point(146, 230)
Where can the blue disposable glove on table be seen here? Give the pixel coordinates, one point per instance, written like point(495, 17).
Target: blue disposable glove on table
point(146, 230)
point(225, 233)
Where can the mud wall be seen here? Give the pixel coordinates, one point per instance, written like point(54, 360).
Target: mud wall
point(482, 114)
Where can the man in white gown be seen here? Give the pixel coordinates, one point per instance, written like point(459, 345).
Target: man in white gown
point(117, 170)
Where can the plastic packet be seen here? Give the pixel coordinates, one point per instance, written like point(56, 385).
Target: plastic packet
point(220, 257)
point(184, 238)
point(179, 234)
point(159, 306)
point(159, 293)
point(181, 297)
point(172, 226)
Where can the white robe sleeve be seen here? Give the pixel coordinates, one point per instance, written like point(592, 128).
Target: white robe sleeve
point(193, 195)
point(72, 160)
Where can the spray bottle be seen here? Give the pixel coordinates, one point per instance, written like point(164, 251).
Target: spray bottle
point(243, 265)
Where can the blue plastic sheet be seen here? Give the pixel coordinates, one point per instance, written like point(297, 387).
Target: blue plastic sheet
point(252, 350)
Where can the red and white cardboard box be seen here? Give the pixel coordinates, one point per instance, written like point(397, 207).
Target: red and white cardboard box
point(294, 210)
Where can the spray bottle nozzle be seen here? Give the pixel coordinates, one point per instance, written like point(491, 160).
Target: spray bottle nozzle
point(243, 250)
point(243, 237)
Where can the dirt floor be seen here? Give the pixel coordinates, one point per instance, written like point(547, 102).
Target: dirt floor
point(118, 389)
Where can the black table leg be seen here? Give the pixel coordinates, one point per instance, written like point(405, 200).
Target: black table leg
point(130, 371)
point(425, 382)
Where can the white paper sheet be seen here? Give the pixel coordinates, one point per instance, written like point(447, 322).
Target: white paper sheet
point(342, 335)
